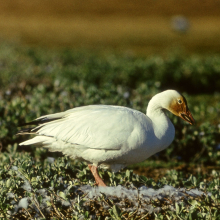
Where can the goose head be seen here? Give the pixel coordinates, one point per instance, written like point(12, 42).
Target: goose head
point(178, 106)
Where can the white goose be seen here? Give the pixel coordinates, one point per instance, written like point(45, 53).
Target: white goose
point(110, 136)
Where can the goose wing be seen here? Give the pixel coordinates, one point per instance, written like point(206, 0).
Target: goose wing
point(95, 127)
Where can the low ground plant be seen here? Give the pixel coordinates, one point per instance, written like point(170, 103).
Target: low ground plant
point(38, 184)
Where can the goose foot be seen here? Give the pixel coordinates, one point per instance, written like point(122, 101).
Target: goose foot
point(95, 173)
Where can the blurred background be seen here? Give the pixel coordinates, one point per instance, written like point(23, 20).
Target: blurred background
point(143, 26)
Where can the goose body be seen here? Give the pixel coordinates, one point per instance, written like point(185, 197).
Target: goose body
point(111, 136)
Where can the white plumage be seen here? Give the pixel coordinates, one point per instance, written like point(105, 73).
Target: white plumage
point(111, 136)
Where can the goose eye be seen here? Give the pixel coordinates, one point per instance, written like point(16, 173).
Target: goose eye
point(180, 101)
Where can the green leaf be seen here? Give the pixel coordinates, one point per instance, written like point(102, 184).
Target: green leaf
point(62, 195)
point(177, 208)
point(8, 183)
point(116, 212)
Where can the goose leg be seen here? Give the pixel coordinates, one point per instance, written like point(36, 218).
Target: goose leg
point(95, 173)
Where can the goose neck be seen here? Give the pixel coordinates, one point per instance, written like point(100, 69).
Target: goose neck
point(161, 123)
point(155, 107)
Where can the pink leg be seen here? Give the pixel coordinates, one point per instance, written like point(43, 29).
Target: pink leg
point(95, 173)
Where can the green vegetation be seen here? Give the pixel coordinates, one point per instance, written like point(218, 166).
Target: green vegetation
point(53, 190)
point(34, 82)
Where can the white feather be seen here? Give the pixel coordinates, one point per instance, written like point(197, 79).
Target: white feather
point(110, 136)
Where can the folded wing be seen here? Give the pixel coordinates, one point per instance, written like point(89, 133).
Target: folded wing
point(95, 127)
